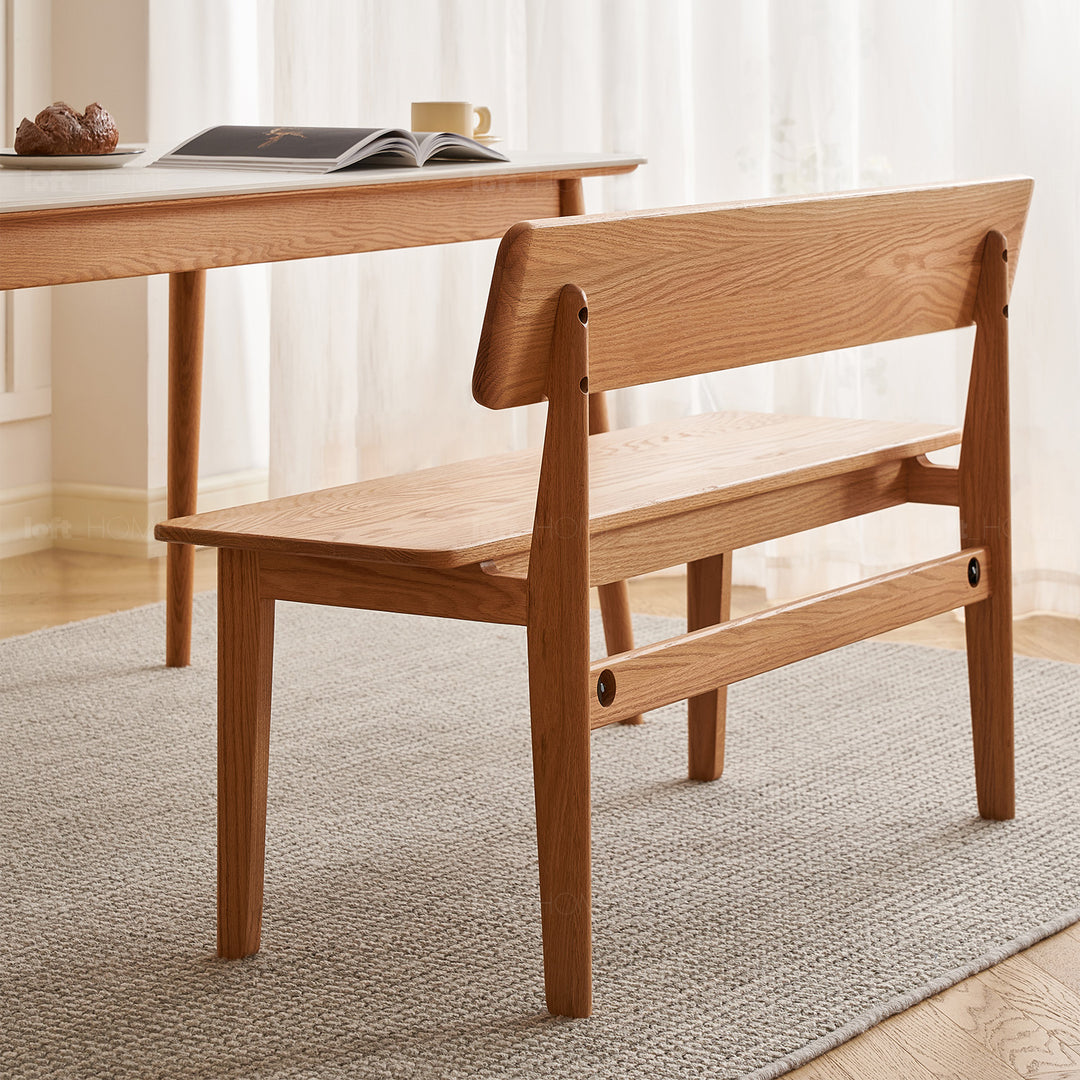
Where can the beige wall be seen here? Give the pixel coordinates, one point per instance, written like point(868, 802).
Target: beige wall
point(99, 53)
point(99, 334)
point(25, 424)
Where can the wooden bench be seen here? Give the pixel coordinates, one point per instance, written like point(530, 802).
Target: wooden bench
point(582, 306)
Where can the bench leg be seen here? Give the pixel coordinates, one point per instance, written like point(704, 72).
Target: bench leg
point(984, 505)
point(560, 750)
point(988, 628)
point(708, 602)
point(245, 668)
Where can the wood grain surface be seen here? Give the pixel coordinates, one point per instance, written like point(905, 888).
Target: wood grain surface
point(701, 660)
point(708, 603)
point(187, 305)
point(1012, 1036)
point(930, 483)
point(558, 642)
point(614, 595)
point(462, 593)
point(740, 283)
point(985, 518)
point(656, 543)
point(245, 667)
point(480, 510)
point(946, 1053)
point(95, 243)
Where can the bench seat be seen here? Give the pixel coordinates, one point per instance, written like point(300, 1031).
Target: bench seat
point(482, 510)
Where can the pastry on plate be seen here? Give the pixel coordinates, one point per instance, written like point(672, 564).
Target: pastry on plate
point(59, 129)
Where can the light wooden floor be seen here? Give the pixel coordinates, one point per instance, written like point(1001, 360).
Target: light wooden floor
point(1019, 1019)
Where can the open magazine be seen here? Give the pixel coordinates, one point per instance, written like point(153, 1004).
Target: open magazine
point(321, 149)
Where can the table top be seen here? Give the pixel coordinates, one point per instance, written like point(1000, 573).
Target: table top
point(23, 190)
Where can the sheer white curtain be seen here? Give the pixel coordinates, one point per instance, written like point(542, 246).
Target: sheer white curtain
point(205, 68)
point(369, 356)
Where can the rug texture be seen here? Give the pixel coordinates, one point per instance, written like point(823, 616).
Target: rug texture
point(836, 872)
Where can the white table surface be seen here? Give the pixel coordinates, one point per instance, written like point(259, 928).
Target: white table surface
point(51, 189)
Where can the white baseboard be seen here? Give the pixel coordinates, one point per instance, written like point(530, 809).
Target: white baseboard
point(26, 519)
point(107, 520)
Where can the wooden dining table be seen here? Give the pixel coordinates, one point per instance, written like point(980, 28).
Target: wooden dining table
point(59, 227)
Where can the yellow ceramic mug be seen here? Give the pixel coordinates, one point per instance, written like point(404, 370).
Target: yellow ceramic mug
point(461, 117)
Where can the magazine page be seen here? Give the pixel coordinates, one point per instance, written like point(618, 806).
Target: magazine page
point(445, 145)
point(388, 148)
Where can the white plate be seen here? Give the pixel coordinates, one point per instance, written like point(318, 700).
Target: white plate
point(122, 155)
point(487, 139)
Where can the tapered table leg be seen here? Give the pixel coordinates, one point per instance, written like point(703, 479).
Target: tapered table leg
point(187, 297)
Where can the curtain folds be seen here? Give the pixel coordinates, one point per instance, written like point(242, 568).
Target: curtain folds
point(368, 357)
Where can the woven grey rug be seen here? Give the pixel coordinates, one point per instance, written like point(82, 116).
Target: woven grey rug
point(835, 873)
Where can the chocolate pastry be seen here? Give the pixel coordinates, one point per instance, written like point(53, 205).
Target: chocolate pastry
point(59, 129)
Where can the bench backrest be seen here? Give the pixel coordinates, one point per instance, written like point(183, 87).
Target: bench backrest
point(689, 290)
